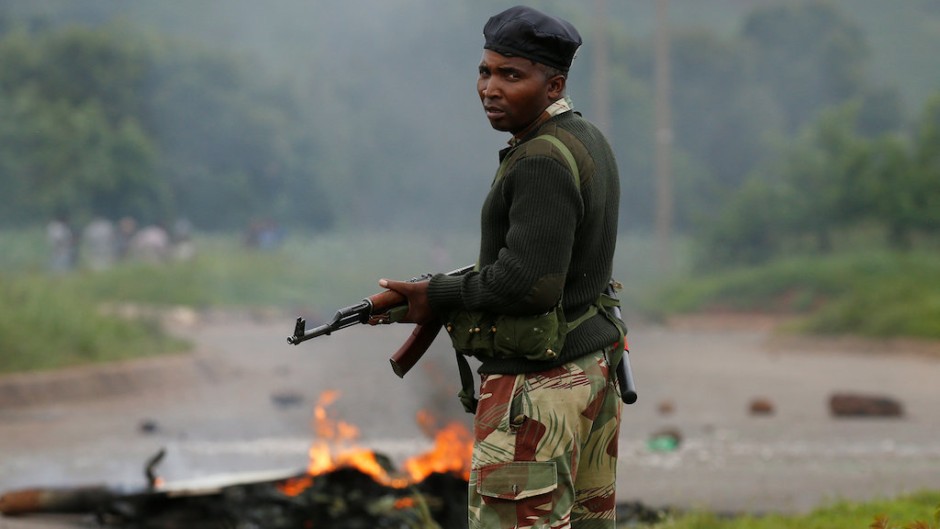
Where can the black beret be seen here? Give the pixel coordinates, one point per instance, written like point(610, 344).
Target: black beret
point(525, 32)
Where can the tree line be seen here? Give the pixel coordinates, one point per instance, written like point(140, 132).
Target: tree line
point(111, 122)
point(782, 137)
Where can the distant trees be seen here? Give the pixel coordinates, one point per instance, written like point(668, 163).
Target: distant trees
point(808, 55)
point(109, 122)
point(781, 139)
point(737, 99)
point(831, 180)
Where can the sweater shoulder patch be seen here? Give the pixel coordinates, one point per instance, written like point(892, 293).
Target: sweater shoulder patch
point(541, 148)
point(576, 148)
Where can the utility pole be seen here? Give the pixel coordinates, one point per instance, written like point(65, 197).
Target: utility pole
point(601, 66)
point(663, 138)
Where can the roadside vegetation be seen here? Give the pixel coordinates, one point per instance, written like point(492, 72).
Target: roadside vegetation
point(915, 511)
point(57, 320)
point(48, 323)
point(877, 293)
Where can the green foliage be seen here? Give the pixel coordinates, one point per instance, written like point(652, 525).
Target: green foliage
point(46, 323)
point(732, 97)
point(319, 272)
point(926, 163)
point(298, 116)
point(808, 54)
point(911, 509)
point(746, 231)
point(831, 179)
point(819, 175)
point(870, 293)
point(902, 301)
point(726, 118)
point(22, 250)
point(70, 138)
point(108, 122)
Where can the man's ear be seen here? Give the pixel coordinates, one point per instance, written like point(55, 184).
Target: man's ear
point(556, 87)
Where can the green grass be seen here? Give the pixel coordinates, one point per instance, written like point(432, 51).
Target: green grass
point(22, 250)
point(875, 293)
point(899, 512)
point(51, 321)
point(48, 323)
point(55, 321)
point(324, 272)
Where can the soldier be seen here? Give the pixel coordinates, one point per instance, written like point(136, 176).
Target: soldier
point(547, 421)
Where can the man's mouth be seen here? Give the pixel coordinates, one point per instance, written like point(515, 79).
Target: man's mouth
point(494, 112)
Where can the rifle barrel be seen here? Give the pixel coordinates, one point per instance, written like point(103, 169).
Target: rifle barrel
point(360, 312)
point(343, 318)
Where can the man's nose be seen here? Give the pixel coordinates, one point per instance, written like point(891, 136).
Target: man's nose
point(489, 88)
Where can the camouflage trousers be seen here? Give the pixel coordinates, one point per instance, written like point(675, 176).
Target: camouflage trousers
point(545, 448)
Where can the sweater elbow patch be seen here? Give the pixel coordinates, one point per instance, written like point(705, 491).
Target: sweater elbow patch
point(545, 293)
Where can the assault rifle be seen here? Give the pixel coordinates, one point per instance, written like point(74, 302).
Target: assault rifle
point(387, 306)
point(379, 308)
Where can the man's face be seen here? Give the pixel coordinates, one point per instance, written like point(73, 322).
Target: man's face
point(514, 91)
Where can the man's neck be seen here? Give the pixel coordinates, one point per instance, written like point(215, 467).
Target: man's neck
point(559, 106)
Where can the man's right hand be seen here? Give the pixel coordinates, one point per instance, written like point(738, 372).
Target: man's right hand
point(419, 308)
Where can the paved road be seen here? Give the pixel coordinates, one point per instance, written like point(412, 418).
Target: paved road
point(243, 403)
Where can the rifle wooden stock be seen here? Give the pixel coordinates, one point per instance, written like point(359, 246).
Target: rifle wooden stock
point(414, 348)
point(386, 300)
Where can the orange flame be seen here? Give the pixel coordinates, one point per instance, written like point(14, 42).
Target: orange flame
point(453, 446)
point(407, 502)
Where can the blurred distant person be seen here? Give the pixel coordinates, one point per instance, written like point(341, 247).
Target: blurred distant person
point(63, 244)
point(533, 312)
point(184, 248)
point(99, 244)
point(126, 229)
point(264, 234)
point(151, 244)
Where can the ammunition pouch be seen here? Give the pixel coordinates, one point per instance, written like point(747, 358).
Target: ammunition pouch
point(485, 335)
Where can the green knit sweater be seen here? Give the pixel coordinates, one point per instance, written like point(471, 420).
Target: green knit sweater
point(543, 237)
